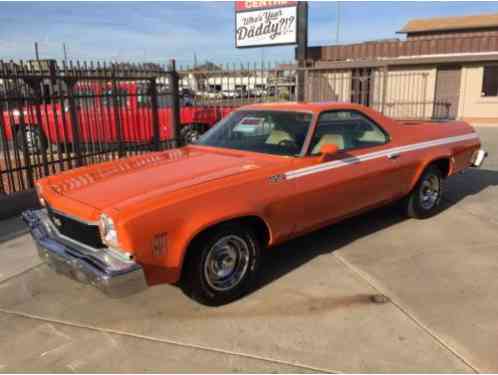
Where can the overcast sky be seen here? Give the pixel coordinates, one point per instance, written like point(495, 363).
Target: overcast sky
point(129, 31)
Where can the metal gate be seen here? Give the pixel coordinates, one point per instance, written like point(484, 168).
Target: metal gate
point(57, 117)
point(397, 94)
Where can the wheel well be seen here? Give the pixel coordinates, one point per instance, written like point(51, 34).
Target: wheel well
point(256, 223)
point(443, 165)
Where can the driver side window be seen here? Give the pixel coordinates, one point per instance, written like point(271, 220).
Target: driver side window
point(347, 130)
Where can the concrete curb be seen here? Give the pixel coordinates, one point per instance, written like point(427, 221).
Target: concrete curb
point(13, 204)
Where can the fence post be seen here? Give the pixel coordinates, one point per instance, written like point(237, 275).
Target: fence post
point(385, 72)
point(117, 119)
point(156, 140)
point(302, 48)
point(74, 122)
point(175, 102)
point(35, 85)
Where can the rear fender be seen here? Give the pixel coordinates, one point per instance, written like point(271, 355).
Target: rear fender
point(446, 156)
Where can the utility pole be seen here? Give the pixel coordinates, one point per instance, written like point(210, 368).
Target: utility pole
point(37, 55)
point(64, 49)
point(302, 48)
point(338, 22)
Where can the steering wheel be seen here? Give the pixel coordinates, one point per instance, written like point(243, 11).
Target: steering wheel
point(287, 143)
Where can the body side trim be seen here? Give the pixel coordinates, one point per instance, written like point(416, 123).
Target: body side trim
point(375, 155)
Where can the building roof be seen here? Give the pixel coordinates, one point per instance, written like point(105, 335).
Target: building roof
point(443, 59)
point(451, 23)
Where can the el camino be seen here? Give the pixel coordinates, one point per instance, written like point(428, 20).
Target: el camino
point(201, 215)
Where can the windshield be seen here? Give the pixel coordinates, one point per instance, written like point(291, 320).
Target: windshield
point(269, 132)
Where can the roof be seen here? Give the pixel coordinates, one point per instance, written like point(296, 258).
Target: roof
point(314, 107)
point(451, 23)
point(436, 59)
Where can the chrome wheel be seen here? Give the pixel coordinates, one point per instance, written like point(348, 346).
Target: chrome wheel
point(227, 263)
point(430, 191)
point(191, 133)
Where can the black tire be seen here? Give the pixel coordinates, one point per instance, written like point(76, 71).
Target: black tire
point(199, 279)
point(425, 199)
point(191, 133)
point(32, 137)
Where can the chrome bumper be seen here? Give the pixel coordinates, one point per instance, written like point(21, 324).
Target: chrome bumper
point(478, 158)
point(102, 268)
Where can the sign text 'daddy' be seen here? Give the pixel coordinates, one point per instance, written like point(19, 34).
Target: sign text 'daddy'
point(265, 23)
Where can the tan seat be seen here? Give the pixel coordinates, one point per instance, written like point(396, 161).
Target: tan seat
point(329, 139)
point(277, 136)
point(372, 136)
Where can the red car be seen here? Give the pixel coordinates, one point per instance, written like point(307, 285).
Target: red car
point(98, 113)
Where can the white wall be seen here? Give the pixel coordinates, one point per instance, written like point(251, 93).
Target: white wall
point(472, 105)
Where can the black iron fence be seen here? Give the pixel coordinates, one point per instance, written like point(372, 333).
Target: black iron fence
point(56, 117)
point(399, 94)
point(236, 85)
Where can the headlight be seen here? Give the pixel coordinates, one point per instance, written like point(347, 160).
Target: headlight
point(108, 231)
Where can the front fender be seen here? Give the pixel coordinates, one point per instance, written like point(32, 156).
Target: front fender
point(181, 223)
point(204, 219)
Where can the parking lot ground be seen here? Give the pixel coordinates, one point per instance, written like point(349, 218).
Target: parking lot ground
point(312, 312)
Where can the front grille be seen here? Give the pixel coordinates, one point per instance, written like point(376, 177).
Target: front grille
point(76, 230)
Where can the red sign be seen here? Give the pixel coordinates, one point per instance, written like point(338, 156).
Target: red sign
point(254, 5)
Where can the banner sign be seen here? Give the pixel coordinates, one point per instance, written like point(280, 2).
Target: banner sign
point(265, 23)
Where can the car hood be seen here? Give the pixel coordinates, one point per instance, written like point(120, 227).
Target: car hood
point(111, 184)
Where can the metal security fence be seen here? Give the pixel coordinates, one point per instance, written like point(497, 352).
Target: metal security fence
point(397, 94)
point(236, 85)
point(60, 116)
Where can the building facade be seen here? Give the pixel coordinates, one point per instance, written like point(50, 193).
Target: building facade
point(445, 67)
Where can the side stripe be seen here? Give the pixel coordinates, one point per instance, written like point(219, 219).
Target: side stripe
point(375, 155)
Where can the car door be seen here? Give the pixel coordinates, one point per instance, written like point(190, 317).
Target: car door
point(360, 175)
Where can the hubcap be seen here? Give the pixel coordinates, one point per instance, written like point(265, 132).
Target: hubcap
point(226, 263)
point(192, 136)
point(430, 192)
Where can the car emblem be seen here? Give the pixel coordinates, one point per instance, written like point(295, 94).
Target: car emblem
point(276, 178)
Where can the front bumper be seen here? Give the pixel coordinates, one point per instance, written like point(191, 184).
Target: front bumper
point(102, 268)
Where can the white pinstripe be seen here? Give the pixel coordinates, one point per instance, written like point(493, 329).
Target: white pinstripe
point(376, 155)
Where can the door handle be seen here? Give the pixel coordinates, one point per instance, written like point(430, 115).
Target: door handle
point(393, 155)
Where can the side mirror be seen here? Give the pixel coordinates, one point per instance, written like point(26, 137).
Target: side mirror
point(328, 150)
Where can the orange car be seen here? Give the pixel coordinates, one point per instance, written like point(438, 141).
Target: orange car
point(202, 214)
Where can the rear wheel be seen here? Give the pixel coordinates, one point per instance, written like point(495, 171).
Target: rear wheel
point(33, 137)
point(222, 265)
point(425, 199)
point(191, 133)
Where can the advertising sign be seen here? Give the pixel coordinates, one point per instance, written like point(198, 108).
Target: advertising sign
point(265, 23)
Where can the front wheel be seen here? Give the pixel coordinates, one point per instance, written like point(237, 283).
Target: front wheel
point(425, 199)
point(222, 265)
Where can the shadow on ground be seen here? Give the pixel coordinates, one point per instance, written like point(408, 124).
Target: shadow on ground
point(12, 228)
point(286, 257)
